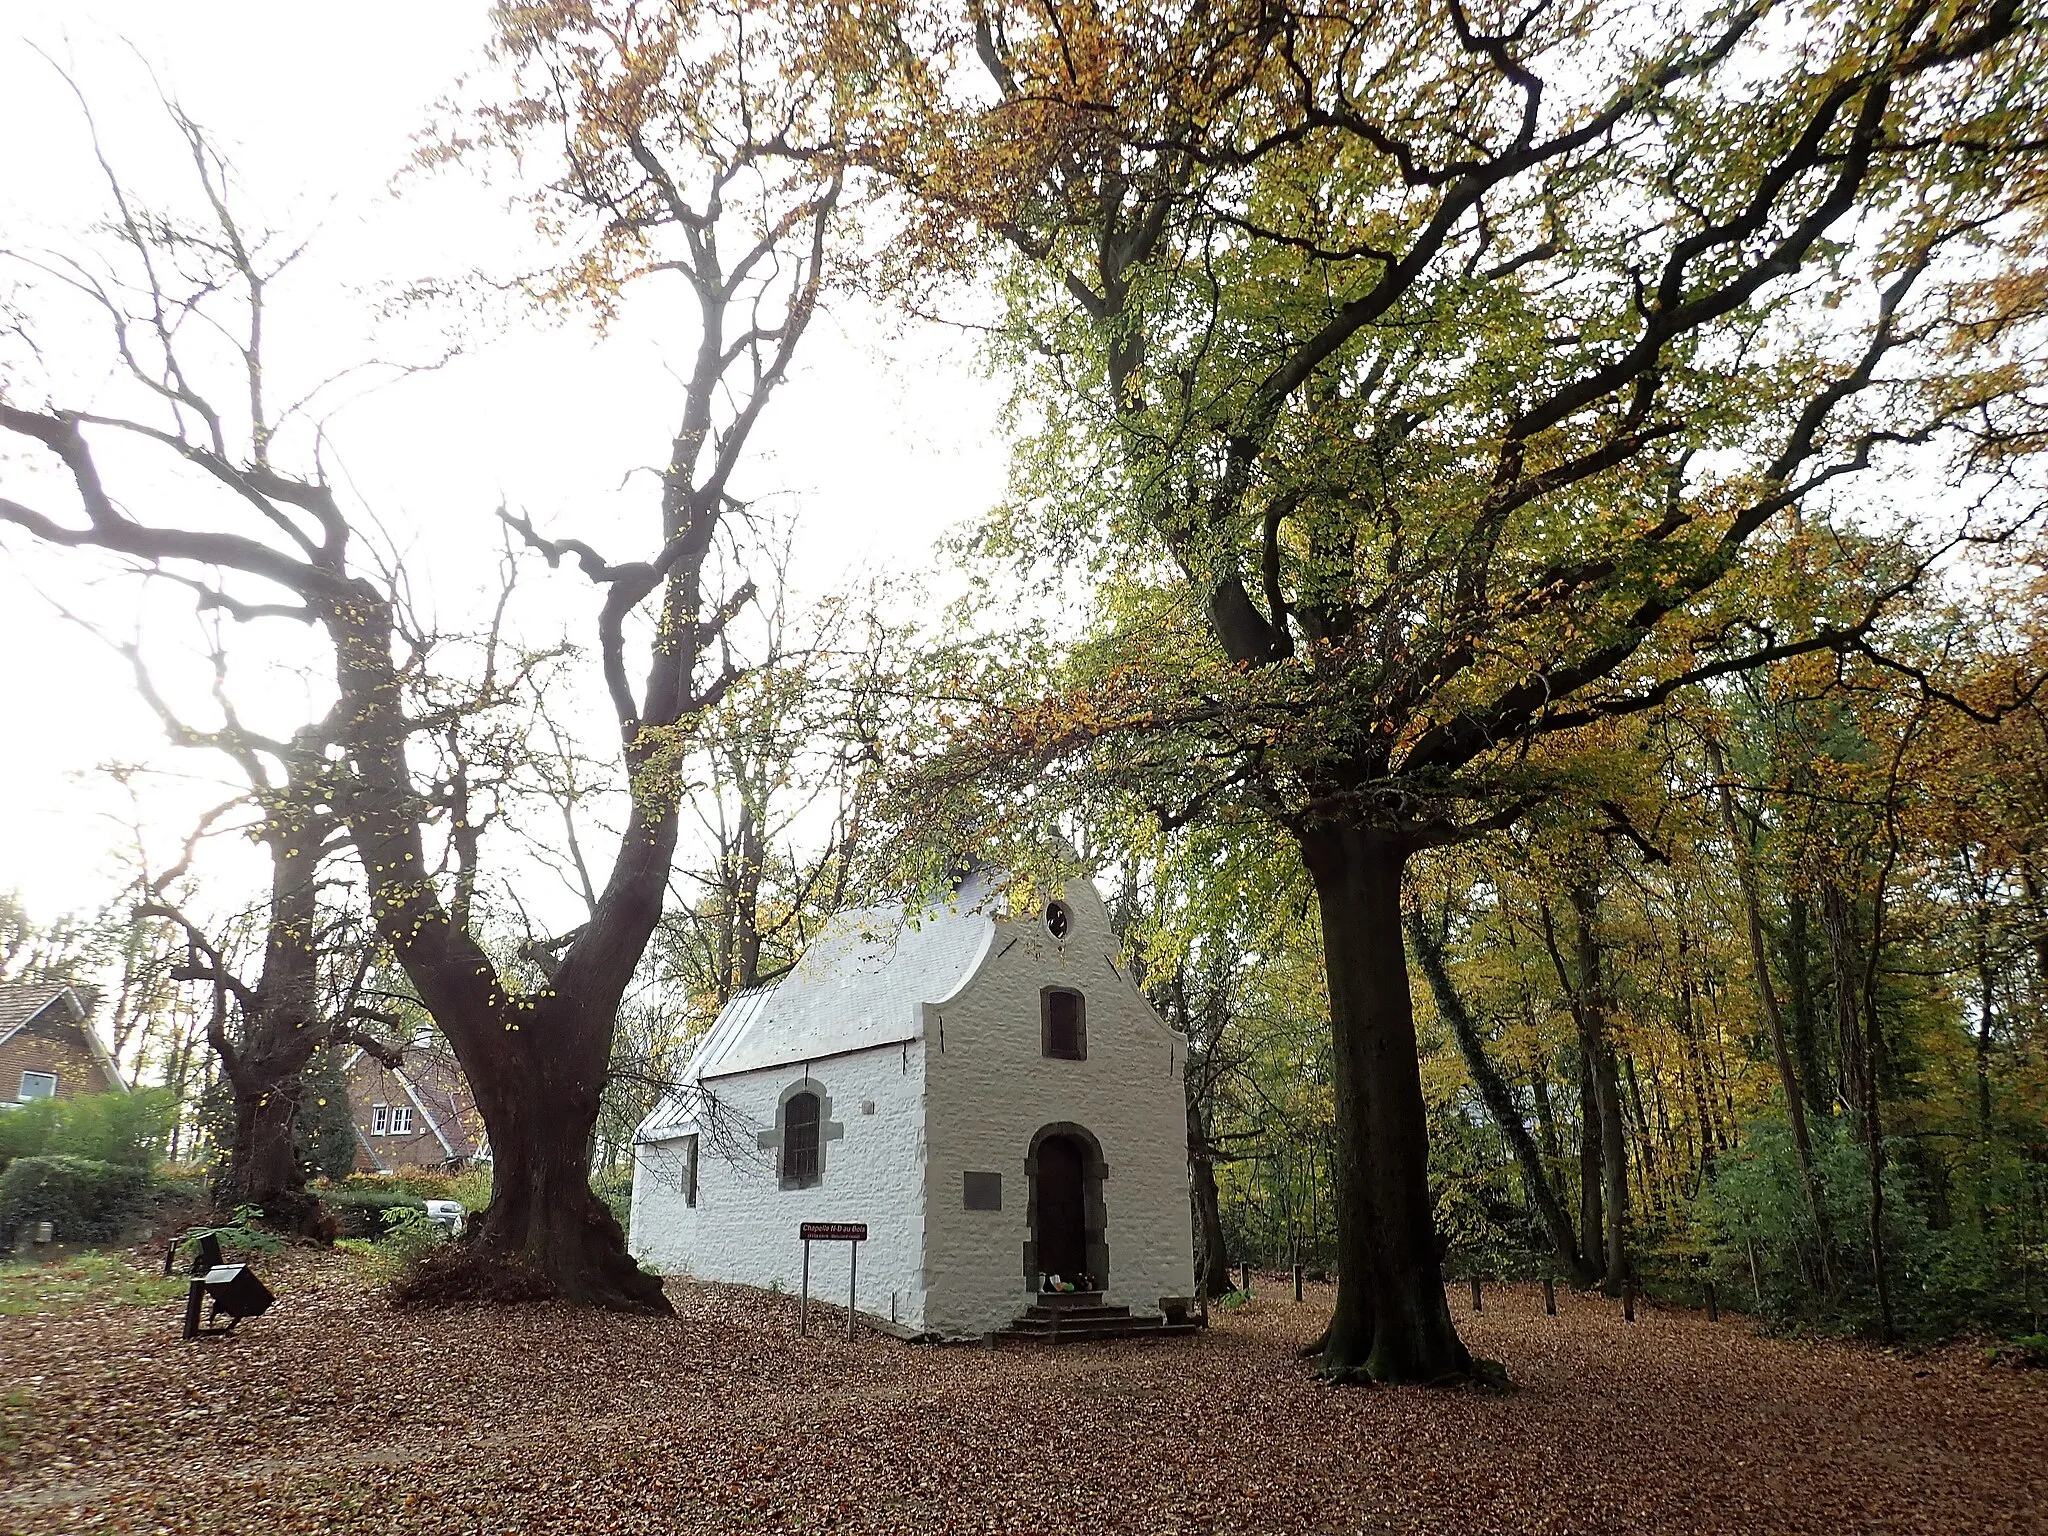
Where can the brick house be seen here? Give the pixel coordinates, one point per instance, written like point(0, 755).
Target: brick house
point(419, 1115)
point(48, 1047)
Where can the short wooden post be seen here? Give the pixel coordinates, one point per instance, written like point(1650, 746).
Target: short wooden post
point(852, 1284)
point(1713, 1305)
point(1246, 1287)
point(803, 1307)
point(1549, 1297)
point(1477, 1304)
point(1297, 1282)
point(1628, 1301)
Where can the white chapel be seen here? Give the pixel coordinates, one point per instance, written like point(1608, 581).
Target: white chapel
point(988, 1092)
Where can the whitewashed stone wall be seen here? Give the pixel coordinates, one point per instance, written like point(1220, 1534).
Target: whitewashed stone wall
point(991, 1089)
point(744, 1228)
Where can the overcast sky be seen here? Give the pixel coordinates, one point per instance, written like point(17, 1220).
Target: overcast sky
point(884, 439)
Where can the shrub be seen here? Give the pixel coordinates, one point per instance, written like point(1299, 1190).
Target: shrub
point(84, 1199)
point(124, 1128)
point(407, 1238)
point(360, 1211)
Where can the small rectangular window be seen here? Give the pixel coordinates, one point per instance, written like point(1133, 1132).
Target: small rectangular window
point(686, 1175)
point(1066, 1024)
point(984, 1191)
point(401, 1119)
point(380, 1119)
point(38, 1085)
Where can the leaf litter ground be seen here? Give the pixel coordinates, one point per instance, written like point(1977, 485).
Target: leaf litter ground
point(334, 1413)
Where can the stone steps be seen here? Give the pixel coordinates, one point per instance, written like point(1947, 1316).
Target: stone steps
point(1078, 1317)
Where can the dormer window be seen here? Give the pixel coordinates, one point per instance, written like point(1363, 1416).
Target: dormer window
point(1059, 917)
point(1063, 1018)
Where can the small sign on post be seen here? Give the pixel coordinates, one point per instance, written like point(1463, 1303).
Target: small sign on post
point(852, 1233)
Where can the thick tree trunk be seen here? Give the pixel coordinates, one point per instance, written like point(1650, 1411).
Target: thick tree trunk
point(280, 1031)
point(1500, 1103)
point(543, 1216)
point(536, 1064)
point(1391, 1321)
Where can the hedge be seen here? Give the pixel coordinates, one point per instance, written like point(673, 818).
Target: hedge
point(360, 1212)
point(85, 1200)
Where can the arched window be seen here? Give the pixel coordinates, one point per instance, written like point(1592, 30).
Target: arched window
point(1064, 1017)
point(800, 1140)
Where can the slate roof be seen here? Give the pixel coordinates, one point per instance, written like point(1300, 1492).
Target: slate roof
point(862, 984)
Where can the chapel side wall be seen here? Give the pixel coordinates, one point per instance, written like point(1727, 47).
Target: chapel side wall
point(992, 1089)
point(743, 1228)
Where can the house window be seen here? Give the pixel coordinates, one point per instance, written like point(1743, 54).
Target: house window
point(38, 1085)
point(401, 1119)
point(380, 1119)
point(800, 1141)
point(686, 1175)
point(1064, 1017)
point(983, 1191)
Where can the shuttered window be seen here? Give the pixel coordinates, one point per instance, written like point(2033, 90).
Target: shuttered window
point(1065, 1020)
point(800, 1140)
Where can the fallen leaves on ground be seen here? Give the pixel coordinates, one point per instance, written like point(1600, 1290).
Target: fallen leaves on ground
point(334, 1412)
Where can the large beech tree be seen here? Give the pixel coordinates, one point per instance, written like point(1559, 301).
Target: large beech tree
point(1434, 364)
point(637, 109)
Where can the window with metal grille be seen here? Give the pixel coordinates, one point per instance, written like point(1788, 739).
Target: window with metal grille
point(800, 1140)
point(38, 1085)
point(380, 1119)
point(1065, 1019)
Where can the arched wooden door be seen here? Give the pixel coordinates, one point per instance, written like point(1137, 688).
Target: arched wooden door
point(1062, 1208)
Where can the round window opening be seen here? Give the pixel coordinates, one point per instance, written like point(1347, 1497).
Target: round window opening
point(1058, 919)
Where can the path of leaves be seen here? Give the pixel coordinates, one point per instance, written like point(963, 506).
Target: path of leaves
point(334, 1414)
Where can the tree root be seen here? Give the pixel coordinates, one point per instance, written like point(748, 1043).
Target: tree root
point(458, 1275)
point(1488, 1376)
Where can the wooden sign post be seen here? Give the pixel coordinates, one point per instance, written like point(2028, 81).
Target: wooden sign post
point(853, 1234)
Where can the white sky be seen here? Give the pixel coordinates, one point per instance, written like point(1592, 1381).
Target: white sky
point(882, 440)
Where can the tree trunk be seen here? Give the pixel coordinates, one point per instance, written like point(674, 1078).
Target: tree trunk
point(280, 1031)
point(1499, 1103)
point(1391, 1321)
point(1594, 1035)
point(1843, 968)
point(535, 1063)
point(543, 1216)
point(1767, 1000)
point(1985, 1016)
point(1212, 1261)
point(1592, 1208)
point(1805, 1042)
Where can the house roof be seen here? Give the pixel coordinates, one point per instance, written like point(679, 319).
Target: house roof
point(862, 984)
point(21, 1002)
